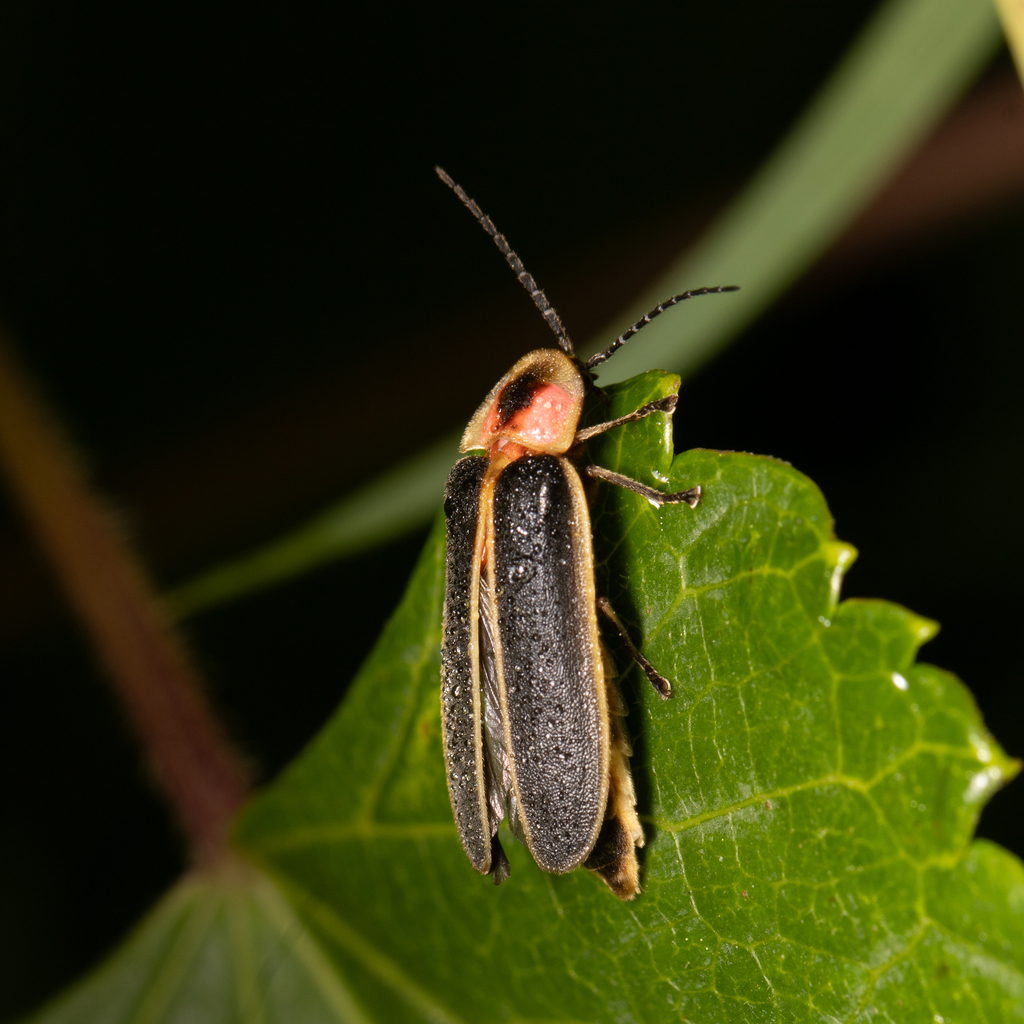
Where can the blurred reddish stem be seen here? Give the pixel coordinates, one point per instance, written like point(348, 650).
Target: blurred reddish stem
point(197, 767)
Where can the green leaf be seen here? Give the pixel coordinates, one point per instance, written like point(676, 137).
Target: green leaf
point(911, 62)
point(809, 794)
point(222, 945)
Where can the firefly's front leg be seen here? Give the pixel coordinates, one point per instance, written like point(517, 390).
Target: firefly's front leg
point(668, 404)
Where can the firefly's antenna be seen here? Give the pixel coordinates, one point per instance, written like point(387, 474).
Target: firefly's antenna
point(600, 357)
point(525, 279)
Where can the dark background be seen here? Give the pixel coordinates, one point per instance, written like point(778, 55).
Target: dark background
point(225, 258)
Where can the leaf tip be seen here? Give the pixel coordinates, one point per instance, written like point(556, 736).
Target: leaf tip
point(841, 556)
point(923, 629)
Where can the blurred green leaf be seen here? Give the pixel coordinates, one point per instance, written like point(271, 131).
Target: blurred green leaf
point(914, 59)
point(391, 506)
point(809, 795)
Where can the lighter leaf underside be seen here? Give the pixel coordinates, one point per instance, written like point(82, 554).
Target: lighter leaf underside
point(222, 946)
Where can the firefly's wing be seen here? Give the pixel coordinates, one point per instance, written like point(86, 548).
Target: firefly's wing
point(548, 658)
point(461, 706)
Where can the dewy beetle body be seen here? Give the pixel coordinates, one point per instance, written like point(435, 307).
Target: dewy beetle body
point(532, 719)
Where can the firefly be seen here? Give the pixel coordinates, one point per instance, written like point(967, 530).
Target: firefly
point(533, 726)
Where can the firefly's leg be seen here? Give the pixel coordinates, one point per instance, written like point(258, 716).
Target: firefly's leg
point(661, 685)
point(655, 497)
point(667, 404)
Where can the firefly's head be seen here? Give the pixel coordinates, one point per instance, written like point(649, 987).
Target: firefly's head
point(535, 406)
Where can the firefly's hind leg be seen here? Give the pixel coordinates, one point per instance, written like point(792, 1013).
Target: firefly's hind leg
point(661, 685)
point(613, 858)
